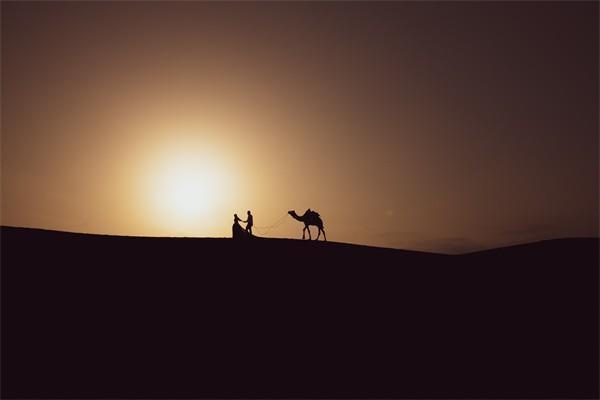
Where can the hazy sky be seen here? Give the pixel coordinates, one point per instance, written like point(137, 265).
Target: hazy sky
point(422, 125)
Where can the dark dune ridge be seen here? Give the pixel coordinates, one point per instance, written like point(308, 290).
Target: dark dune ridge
point(127, 317)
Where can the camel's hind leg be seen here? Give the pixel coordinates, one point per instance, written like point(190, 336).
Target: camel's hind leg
point(319, 235)
point(304, 233)
point(324, 236)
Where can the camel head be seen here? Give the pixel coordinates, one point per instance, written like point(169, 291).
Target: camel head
point(295, 216)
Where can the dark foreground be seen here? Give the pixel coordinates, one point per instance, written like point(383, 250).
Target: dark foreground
point(116, 317)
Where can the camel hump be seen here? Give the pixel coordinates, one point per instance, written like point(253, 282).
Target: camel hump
point(316, 214)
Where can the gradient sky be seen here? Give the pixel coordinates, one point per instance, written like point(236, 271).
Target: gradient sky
point(449, 126)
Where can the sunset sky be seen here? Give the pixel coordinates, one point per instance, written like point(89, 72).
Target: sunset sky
point(440, 126)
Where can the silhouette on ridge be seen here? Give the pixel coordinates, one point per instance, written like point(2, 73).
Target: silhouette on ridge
point(237, 231)
point(310, 218)
point(249, 223)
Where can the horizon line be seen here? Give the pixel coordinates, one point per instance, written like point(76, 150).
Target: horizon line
point(301, 240)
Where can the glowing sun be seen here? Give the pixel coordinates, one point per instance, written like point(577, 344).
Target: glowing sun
point(188, 190)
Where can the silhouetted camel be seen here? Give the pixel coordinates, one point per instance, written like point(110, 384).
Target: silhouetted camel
point(309, 218)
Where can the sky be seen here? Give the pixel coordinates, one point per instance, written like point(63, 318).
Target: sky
point(436, 126)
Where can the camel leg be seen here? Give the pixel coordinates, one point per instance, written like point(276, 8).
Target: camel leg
point(309, 235)
point(324, 236)
point(304, 233)
point(319, 235)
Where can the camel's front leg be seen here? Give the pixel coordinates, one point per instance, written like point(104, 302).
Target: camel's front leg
point(304, 233)
point(319, 235)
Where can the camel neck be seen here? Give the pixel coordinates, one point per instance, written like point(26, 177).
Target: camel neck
point(296, 216)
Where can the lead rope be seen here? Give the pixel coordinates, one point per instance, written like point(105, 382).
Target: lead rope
point(264, 230)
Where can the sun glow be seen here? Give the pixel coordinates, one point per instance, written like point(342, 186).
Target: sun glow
point(187, 190)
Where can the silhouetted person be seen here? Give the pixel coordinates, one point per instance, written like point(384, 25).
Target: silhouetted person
point(249, 223)
point(237, 231)
point(236, 219)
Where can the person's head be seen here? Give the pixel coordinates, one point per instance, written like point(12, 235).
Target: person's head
point(248, 212)
point(235, 216)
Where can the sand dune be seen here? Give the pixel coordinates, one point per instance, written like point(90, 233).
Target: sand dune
point(107, 316)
